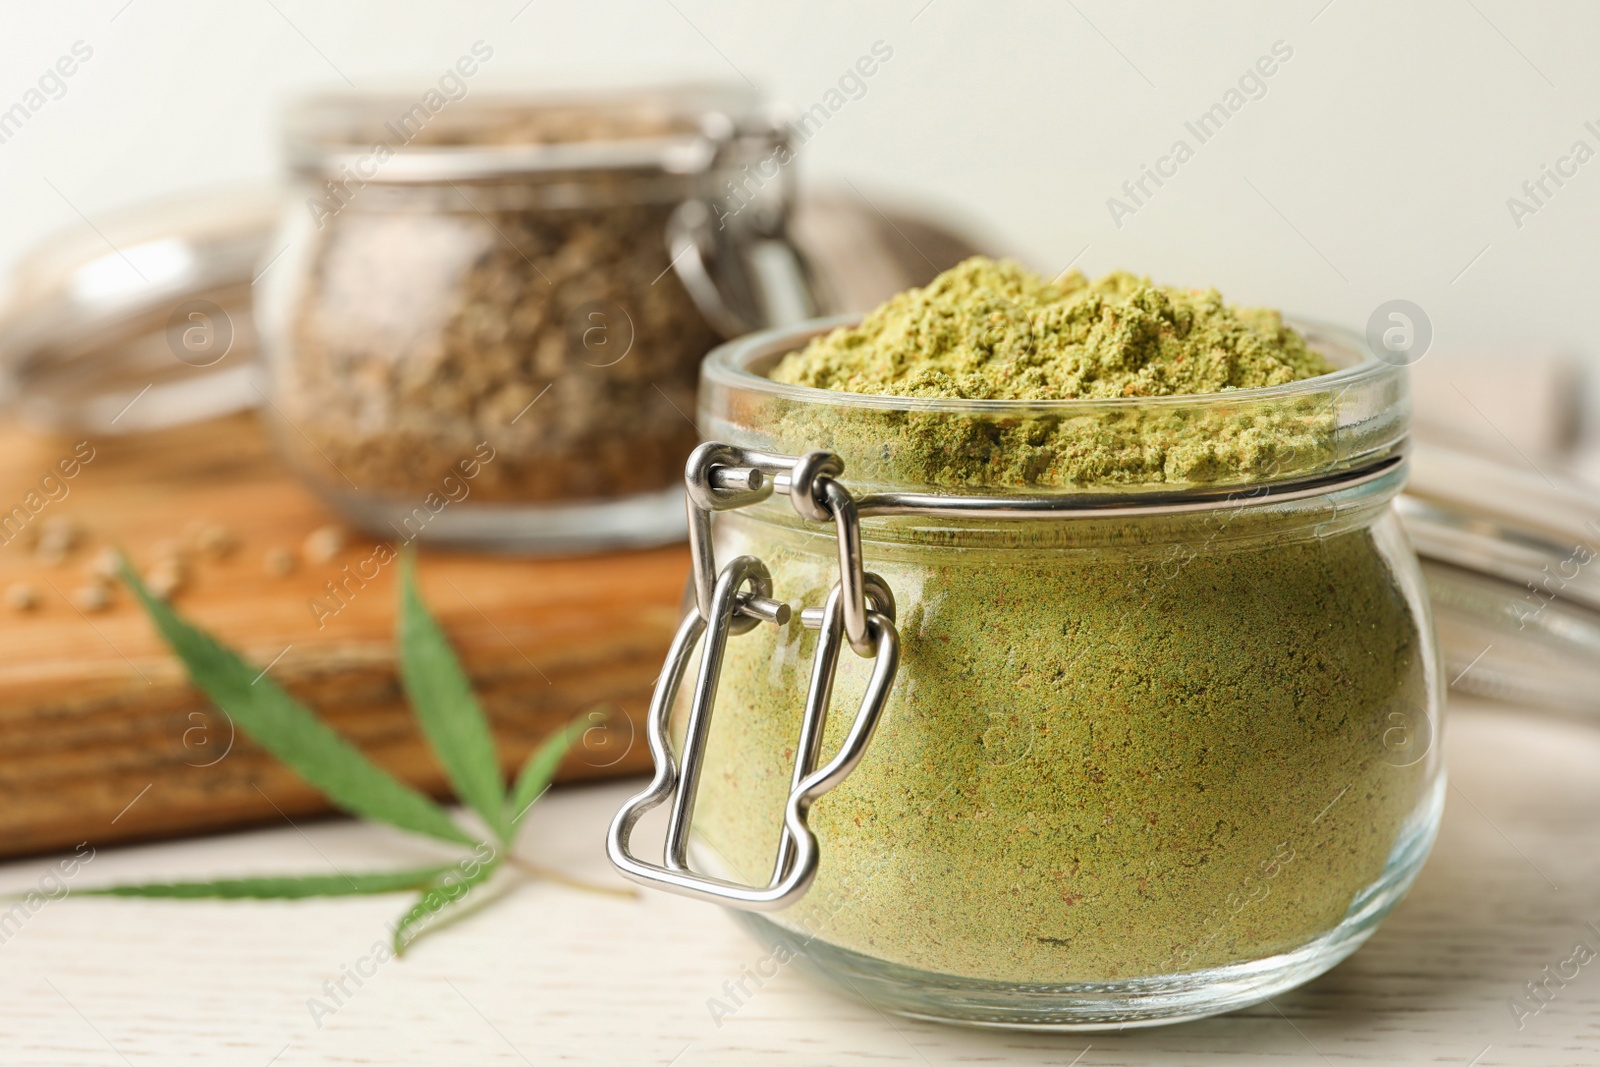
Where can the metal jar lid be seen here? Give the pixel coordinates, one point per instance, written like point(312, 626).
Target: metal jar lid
point(139, 321)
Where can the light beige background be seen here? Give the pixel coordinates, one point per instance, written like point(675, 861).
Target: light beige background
point(1377, 166)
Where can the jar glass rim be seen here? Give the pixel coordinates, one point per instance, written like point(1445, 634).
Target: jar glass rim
point(1349, 420)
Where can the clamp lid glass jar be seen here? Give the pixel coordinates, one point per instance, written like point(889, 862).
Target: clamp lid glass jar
point(478, 331)
point(1150, 751)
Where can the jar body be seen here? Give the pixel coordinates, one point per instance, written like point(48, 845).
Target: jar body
point(1130, 771)
point(484, 364)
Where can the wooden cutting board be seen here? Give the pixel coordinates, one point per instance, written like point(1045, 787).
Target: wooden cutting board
point(102, 738)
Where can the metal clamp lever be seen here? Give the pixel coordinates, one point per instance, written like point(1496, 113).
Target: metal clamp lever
point(721, 477)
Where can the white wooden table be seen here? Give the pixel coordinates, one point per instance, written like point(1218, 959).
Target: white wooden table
point(553, 975)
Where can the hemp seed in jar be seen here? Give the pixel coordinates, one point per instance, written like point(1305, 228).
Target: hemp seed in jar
point(477, 332)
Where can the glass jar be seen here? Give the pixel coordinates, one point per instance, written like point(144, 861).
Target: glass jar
point(1125, 734)
point(484, 319)
point(140, 323)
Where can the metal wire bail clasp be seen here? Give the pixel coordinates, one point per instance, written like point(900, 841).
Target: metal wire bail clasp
point(860, 609)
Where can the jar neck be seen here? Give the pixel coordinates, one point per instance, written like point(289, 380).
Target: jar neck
point(1241, 518)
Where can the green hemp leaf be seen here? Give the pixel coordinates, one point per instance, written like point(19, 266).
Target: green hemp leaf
point(453, 723)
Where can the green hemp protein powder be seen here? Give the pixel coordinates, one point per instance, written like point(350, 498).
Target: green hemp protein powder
point(1114, 748)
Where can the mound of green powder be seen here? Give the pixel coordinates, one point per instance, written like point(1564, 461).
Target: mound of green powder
point(988, 330)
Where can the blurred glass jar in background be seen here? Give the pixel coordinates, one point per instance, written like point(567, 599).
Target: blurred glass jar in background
point(139, 322)
point(487, 319)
